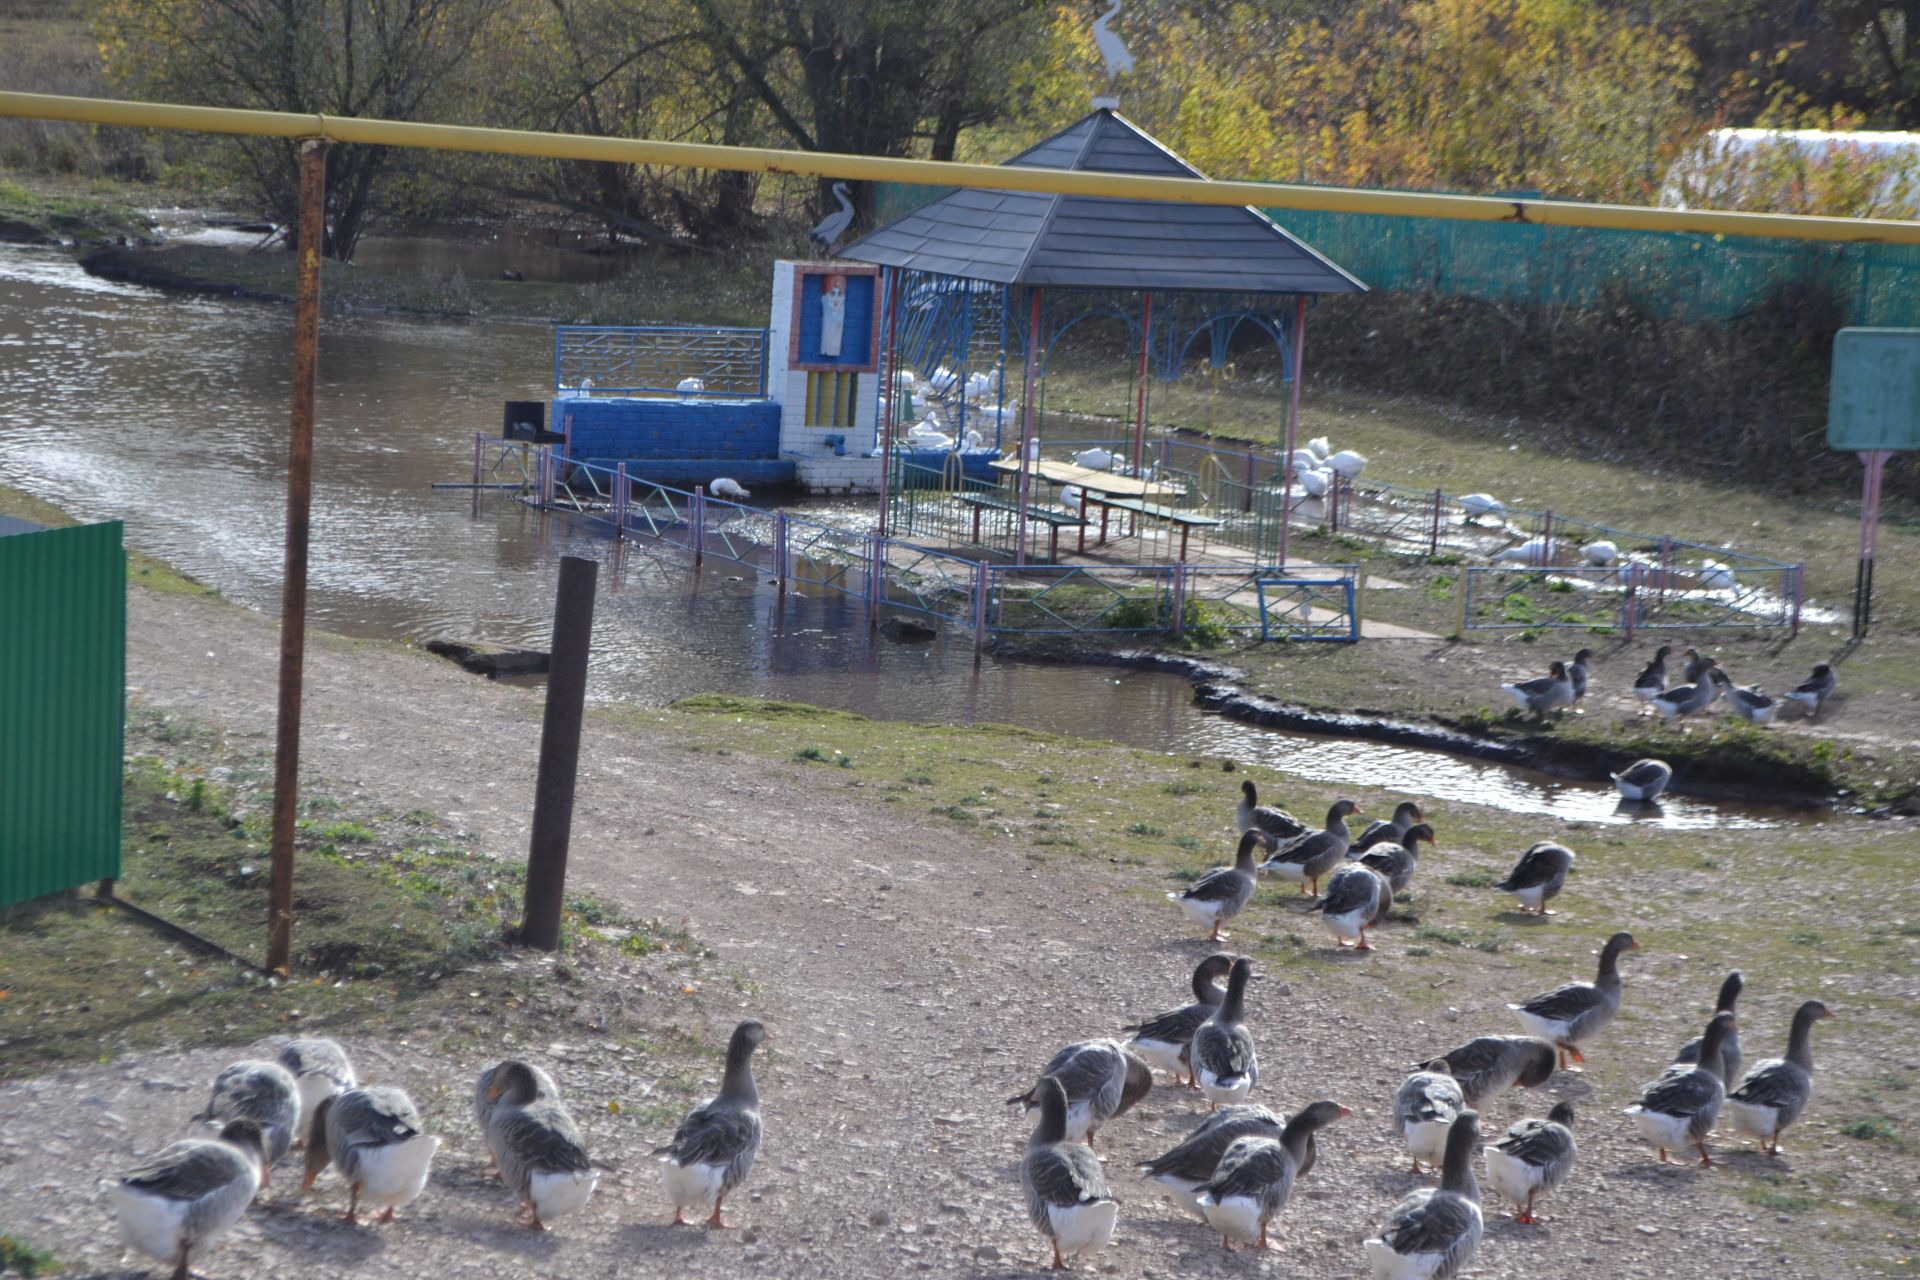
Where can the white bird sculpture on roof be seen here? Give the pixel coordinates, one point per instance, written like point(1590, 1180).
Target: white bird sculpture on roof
point(1111, 46)
point(834, 225)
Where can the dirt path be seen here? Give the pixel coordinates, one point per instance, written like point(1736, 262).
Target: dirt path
point(911, 979)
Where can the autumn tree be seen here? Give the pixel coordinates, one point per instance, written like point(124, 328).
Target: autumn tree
point(391, 59)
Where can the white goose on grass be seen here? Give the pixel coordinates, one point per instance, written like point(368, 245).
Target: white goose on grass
point(1479, 505)
point(1601, 554)
point(183, 1199)
point(1347, 464)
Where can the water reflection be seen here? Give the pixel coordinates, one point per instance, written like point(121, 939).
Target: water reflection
point(171, 414)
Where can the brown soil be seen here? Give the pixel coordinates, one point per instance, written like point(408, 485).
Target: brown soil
point(911, 978)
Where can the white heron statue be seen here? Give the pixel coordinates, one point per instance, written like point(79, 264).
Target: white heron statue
point(834, 225)
point(1111, 46)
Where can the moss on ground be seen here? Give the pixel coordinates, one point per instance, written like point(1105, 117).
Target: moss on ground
point(80, 218)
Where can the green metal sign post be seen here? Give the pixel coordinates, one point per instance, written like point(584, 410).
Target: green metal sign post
point(1873, 409)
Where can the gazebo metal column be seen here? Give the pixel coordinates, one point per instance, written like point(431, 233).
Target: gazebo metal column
point(1293, 424)
point(889, 366)
point(1026, 432)
point(1140, 394)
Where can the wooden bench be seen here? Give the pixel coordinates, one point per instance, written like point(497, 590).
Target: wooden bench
point(1185, 521)
point(1056, 520)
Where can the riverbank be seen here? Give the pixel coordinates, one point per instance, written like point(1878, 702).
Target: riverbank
point(880, 888)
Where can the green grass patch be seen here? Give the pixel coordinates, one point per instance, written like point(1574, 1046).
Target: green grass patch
point(142, 569)
point(18, 1258)
point(1870, 1130)
point(1477, 878)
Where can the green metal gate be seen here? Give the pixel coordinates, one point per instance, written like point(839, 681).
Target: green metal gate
point(63, 661)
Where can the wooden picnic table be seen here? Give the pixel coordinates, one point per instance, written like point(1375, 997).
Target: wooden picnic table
point(1055, 520)
point(1185, 521)
point(1087, 479)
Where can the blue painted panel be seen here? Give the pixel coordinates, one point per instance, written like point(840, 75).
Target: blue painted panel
point(856, 339)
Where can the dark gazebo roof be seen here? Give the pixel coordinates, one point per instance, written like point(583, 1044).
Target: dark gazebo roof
point(1092, 242)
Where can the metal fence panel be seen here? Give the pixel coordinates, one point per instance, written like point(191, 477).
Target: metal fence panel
point(63, 646)
point(658, 359)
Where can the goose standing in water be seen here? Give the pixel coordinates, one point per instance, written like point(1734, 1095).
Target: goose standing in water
point(1255, 1177)
point(1488, 1066)
point(264, 1092)
point(1397, 862)
point(1187, 1168)
point(1306, 858)
point(1223, 1055)
point(1218, 896)
point(1643, 780)
point(1539, 876)
point(1773, 1094)
point(1067, 1197)
point(1678, 1109)
point(1101, 1080)
point(1569, 1016)
point(713, 1149)
point(1813, 692)
point(1652, 680)
point(543, 1159)
point(1424, 1109)
point(373, 1136)
point(1533, 1159)
point(1433, 1233)
point(1388, 831)
point(1166, 1042)
point(1730, 1056)
point(320, 1069)
point(1251, 815)
point(185, 1197)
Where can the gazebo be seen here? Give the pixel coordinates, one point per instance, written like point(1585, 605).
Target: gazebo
point(978, 275)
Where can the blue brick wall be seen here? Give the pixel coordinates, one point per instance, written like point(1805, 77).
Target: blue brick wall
point(607, 431)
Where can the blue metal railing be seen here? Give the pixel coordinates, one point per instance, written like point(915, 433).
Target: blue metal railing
point(729, 363)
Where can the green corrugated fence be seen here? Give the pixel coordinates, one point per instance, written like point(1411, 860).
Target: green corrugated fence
point(63, 647)
point(1690, 278)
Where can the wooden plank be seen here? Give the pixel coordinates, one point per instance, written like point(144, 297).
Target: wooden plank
point(1087, 479)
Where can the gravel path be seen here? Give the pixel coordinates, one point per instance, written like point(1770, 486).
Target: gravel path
point(910, 978)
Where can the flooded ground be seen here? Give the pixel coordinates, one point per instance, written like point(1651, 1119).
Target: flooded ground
point(171, 414)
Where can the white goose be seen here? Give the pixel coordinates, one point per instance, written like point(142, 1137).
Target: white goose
point(1477, 505)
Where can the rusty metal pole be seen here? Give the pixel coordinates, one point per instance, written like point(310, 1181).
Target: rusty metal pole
point(293, 586)
point(559, 754)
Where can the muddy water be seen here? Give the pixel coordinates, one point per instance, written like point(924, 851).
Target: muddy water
point(170, 414)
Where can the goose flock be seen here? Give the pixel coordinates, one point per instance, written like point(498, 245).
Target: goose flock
point(1238, 1167)
point(176, 1204)
point(1702, 682)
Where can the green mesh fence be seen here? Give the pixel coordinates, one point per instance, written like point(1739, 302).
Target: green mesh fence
point(1691, 278)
